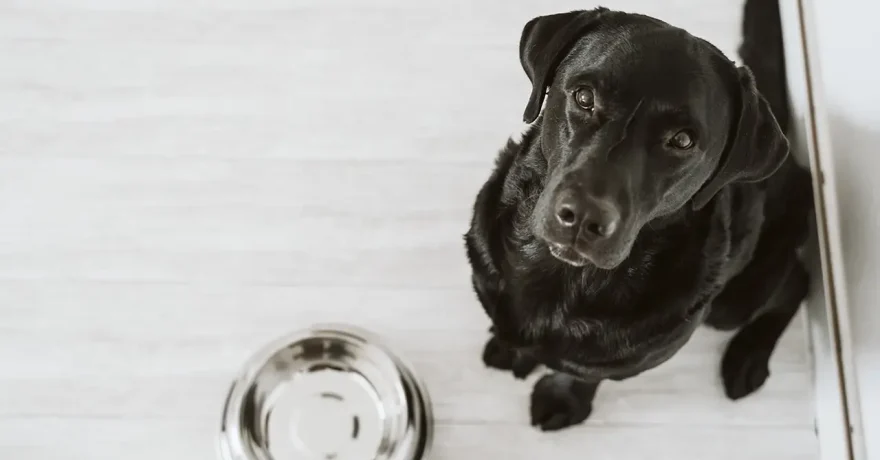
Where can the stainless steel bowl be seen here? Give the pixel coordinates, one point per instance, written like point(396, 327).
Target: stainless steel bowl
point(328, 393)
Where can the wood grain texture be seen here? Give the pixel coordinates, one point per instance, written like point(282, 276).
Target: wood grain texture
point(184, 180)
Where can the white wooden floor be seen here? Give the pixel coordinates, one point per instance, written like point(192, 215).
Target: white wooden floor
point(184, 180)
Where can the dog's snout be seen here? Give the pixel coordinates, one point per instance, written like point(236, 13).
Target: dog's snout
point(592, 218)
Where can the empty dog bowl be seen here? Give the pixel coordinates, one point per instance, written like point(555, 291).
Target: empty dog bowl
point(327, 393)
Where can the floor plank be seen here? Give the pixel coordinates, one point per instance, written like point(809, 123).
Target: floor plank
point(107, 439)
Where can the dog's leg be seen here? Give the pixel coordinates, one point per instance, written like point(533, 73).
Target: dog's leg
point(560, 400)
point(745, 366)
point(498, 355)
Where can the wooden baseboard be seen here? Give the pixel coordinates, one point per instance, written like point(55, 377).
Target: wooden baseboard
point(826, 309)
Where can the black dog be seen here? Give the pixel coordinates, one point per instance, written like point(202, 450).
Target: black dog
point(654, 193)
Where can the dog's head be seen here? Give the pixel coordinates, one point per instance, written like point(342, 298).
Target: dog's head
point(641, 120)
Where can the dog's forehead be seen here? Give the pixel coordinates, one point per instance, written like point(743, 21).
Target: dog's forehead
point(648, 60)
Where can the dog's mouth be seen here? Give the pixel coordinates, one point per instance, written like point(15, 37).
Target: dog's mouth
point(580, 257)
point(575, 258)
point(567, 255)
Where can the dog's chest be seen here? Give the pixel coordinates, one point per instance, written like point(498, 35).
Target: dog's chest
point(578, 312)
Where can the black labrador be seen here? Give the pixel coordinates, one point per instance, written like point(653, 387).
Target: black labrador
point(654, 192)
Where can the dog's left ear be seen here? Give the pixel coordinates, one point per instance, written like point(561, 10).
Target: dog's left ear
point(545, 41)
point(756, 148)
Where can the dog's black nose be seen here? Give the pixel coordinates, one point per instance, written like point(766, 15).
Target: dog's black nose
point(593, 217)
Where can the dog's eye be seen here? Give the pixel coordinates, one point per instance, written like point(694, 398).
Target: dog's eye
point(682, 140)
point(585, 98)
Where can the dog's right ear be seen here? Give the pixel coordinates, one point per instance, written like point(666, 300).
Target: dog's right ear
point(757, 146)
point(545, 41)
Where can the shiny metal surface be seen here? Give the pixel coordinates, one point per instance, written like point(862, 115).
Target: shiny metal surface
point(328, 393)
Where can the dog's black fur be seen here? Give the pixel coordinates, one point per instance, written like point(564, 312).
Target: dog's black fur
point(604, 238)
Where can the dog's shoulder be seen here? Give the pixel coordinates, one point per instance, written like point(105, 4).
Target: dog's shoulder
point(494, 211)
point(516, 148)
point(498, 200)
point(779, 205)
point(790, 200)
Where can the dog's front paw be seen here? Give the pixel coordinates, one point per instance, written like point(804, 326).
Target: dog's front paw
point(560, 401)
point(746, 365)
point(499, 356)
